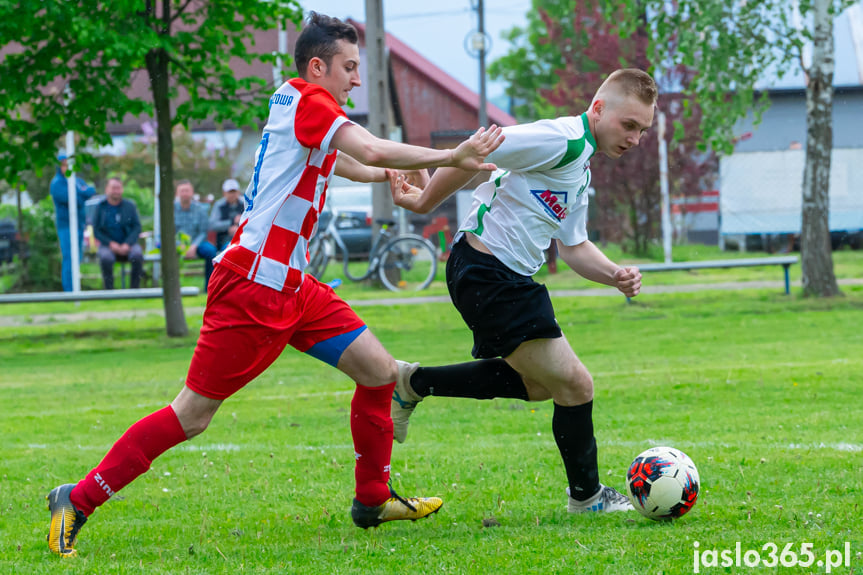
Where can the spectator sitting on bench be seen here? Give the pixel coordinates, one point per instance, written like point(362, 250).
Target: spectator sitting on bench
point(191, 219)
point(226, 213)
point(117, 226)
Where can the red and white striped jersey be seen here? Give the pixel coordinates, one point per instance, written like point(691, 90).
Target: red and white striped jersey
point(293, 166)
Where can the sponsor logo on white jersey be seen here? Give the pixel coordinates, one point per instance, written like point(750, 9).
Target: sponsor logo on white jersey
point(553, 202)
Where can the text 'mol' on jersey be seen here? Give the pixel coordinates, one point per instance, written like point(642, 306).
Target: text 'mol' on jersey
point(538, 193)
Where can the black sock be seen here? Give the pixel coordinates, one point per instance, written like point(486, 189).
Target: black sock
point(482, 379)
point(573, 432)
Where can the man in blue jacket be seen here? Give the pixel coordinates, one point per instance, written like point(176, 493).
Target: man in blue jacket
point(192, 219)
point(117, 226)
point(60, 195)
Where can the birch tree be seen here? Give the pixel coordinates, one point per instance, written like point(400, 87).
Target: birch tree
point(734, 45)
point(558, 60)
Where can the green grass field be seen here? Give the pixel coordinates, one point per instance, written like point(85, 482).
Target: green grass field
point(758, 388)
point(847, 265)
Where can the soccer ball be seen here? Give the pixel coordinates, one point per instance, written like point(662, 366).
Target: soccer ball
point(662, 483)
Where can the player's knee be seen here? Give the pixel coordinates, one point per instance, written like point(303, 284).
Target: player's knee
point(579, 384)
point(197, 425)
point(195, 428)
point(536, 392)
point(381, 370)
point(584, 382)
point(388, 372)
point(375, 372)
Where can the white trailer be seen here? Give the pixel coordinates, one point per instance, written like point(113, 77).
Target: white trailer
point(762, 192)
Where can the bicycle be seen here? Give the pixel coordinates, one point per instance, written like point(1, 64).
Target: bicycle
point(402, 262)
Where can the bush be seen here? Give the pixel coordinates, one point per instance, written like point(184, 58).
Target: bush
point(40, 271)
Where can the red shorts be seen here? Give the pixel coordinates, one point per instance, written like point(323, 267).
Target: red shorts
point(248, 325)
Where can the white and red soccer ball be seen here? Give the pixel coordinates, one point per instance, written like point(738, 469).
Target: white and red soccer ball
point(662, 483)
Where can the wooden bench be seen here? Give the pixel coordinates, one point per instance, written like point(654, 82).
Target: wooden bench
point(154, 274)
point(91, 295)
point(784, 261)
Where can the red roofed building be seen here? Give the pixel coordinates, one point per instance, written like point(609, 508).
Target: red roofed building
point(433, 108)
point(428, 106)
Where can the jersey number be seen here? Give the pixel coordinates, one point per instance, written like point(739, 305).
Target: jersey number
point(262, 150)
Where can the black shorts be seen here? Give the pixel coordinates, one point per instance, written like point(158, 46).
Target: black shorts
point(501, 307)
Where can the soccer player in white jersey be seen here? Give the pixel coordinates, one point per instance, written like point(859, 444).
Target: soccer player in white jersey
point(537, 196)
point(260, 300)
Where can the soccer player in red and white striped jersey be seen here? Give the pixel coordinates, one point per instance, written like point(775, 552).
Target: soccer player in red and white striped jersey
point(260, 300)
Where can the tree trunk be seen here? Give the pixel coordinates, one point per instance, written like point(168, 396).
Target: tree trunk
point(818, 276)
point(22, 244)
point(175, 318)
point(20, 217)
point(633, 224)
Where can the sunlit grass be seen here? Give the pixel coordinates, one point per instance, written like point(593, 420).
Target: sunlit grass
point(758, 388)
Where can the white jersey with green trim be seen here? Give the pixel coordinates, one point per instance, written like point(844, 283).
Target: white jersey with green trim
point(537, 194)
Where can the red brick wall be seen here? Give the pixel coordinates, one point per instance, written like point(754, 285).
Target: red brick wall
point(426, 107)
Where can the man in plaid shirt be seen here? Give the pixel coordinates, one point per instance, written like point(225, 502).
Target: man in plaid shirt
point(192, 219)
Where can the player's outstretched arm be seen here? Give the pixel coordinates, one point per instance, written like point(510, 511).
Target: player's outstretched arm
point(348, 167)
point(444, 183)
point(588, 261)
point(359, 143)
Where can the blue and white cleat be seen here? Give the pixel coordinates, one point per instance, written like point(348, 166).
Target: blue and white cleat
point(607, 499)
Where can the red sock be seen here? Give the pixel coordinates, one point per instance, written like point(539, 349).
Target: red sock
point(372, 430)
point(128, 458)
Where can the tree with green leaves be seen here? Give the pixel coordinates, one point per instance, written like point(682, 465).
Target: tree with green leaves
point(734, 45)
point(559, 58)
point(70, 65)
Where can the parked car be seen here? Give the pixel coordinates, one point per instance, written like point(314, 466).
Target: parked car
point(353, 206)
point(8, 240)
point(851, 238)
point(352, 203)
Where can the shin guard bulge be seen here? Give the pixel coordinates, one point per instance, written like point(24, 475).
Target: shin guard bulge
point(129, 457)
point(372, 431)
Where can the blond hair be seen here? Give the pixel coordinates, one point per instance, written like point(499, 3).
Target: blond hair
point(629, 82)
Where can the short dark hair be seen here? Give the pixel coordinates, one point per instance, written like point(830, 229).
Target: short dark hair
point(182, 182)
point(319, 39)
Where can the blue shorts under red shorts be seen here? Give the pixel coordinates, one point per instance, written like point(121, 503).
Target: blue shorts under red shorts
point(248, 325)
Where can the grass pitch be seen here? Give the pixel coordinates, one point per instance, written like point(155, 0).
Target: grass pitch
point(761, 390)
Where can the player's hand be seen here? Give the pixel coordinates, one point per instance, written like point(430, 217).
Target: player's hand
point(470, 154)
point(404, 194)
point(418, 178)
point(628, 281)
